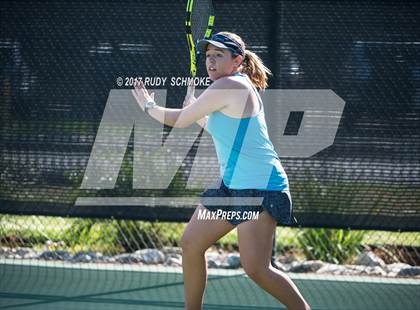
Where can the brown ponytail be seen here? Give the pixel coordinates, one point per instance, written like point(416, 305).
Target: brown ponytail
point(255, 69)
point(252, 65)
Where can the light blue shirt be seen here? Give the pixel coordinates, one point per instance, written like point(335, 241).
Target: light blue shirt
point(246, 155)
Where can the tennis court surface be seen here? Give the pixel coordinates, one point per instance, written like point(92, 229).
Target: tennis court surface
point(76, 286)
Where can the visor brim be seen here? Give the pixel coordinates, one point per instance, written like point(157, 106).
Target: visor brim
point(202, 45)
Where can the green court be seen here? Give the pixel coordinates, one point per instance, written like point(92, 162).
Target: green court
point(83, 286)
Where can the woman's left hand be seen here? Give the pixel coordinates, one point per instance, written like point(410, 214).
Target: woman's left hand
point(141, 94)
point(190, 96)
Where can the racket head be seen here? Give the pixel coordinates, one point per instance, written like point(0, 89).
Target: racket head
point(199, 25)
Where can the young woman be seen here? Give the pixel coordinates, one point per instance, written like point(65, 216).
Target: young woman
point(249, 167)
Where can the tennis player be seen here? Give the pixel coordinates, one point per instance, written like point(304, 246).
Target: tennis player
point(249, 167)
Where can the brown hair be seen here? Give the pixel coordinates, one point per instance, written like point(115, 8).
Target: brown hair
point(252, 64)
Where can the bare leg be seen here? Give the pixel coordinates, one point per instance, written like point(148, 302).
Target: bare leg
point(255, 244)
point(198, 236)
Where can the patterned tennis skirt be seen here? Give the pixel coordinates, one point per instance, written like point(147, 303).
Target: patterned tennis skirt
point(236, 205)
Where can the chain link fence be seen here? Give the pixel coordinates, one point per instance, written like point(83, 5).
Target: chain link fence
point(315, 250)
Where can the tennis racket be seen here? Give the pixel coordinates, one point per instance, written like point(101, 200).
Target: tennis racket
point(199, 25)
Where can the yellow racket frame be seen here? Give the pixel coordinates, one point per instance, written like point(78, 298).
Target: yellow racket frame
point(190, 39)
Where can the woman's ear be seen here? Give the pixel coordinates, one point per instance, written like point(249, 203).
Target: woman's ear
point(238, 61)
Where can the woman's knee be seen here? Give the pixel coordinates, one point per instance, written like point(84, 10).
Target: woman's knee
point(254, 269)
point(186, 242)
point(189, 244)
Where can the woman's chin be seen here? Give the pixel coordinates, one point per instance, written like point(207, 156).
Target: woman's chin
point(212, 76)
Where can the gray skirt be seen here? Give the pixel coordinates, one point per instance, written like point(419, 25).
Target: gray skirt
point(277, 203)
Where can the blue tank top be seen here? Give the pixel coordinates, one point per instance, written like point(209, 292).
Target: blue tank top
point(245, 153)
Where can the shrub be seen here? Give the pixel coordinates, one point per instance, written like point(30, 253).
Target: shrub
point(330, 245)
point(117, 236)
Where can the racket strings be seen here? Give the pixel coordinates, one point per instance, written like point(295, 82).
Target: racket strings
point(201, 12)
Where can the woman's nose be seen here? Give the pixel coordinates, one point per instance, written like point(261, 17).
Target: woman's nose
point(211, 59)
